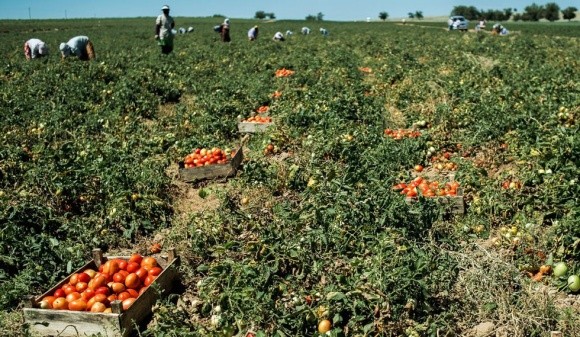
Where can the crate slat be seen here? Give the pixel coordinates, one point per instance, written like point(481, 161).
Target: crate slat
point(249, 127)
point(212, 171)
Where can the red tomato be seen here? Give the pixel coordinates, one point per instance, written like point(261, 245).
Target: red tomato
point(142, 273)
point(137, 258)
point(148, 280)
point(59, 293)
point(88, 294)
point(133, 281)
point(78, 305)
point(68, 289)
point(134, 293)
point(102, 290)
point(73, 279)
point(84, 277)
point(128, 302)
point(133, 267)
point(118, 287)
point(81, 286)
point(120, 276)
point(97, 282)
point(419, 168)
point(111, 267)
point(73, 296)
point(155, 271)
point(123, 296)
point(98, 307)
point(122, 264)
point(60, 303)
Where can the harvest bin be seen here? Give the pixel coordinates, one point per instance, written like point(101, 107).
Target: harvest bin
point(211, 171)
point(251, 127)
point(51, 322)
point(455, 202)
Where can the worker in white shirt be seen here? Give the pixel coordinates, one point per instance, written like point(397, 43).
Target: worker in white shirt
point(35, 48)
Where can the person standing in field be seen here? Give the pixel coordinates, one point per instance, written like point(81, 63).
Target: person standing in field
point(79, 46)
point(253, 33)
point(225, 31)
point(163, 30)
point(35, 48)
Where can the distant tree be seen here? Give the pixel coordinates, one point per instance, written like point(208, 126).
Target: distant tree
point(533, 12)
point(469, 12)
point(311, 17)
point(260, 15)
point(552, 12)
point(218, 16)
point(517, 17)
point(569, 13)
point(271, 16)
point(319, 16)
point(383, 15)
point(419, 15)
point(507, 12)
point(411, 15)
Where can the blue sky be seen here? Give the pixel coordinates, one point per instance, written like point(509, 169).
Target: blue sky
point(340, 10)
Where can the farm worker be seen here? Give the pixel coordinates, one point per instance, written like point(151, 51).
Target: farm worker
point(163, 30)
point(497, 28)
point(482, 23)
point(190, 29)
point(35, 48)
point(278, 37)
point(253, 33)
point(79, 46)
point(225, 31)
point(289, 32)
point(181, 30)
point(305, 30)
point(450, 24)
point(323, 31)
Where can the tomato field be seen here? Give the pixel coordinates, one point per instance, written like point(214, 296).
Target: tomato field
point(313, 234)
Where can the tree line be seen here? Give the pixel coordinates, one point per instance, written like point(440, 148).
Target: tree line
point(533, 12)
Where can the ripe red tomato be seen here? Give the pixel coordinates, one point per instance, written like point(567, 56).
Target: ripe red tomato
point(59, 293)
point(111, 267)
point(81, 286)
point(102, 290)
point(137, 258)
point(148, 280)
point(120, 276)
point(84, 277)
point(155, 271)
point(419, 168)
point(123, 296)
point(60, 303)
point(122, 264)
point(74, 278)
point(67, 288)
point(134, 293)
point(133, 281)
point(118, 287)
point(142, 273)
point(128, 302)
point(97, 307)
point(78, 305)
point(133, 267)
point(73, 296)
point(88, 294)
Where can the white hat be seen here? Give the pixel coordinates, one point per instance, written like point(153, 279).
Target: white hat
point(165, 7)
point(42, 48)
point(64, 49)
point(227, 21)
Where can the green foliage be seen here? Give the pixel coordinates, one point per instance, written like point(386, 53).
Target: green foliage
point(87, 147)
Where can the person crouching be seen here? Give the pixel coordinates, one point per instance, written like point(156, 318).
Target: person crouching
point(79, 46)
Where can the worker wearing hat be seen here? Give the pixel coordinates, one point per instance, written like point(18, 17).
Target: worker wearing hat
point(79, 46)
point(253, 33)
point(225, 31)
point(35, 48)
point(163, 30)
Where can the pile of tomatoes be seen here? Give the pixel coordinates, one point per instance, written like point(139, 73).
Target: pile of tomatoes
point(402, 133)
point(284, 72)
point(258, 119)
point(366, 70)
point(442, 162)
point(276, 94)
point(262, 109)
point(94, 291)
point(426, 188)
point(203, 157)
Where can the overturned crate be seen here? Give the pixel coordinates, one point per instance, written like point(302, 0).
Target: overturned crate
point(228, 169)
point(119, 323)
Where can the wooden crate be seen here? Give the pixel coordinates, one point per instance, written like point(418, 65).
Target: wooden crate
point(50, 322)
point(456, 203)
point(250, 127)
point(211, 171)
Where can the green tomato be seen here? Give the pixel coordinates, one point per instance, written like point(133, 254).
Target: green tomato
point(574, 283)
point(560, 269)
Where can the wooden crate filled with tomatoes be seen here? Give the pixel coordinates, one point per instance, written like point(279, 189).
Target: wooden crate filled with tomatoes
point(108, 295)
point(204, 163)
point(255, 124)
point(448, 193)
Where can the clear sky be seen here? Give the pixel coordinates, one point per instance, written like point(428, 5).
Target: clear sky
point(339, 10)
